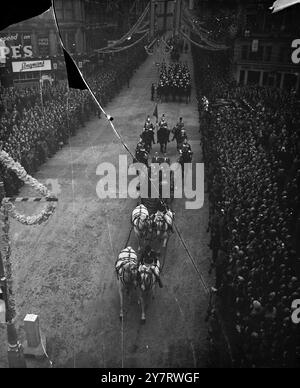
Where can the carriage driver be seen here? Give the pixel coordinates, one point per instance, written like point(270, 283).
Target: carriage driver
point(150, 258)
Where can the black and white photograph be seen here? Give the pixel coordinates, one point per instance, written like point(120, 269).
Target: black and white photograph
point(149, 187)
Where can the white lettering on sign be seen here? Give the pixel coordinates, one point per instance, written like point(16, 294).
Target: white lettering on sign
point(19, 67)
point(10, 38)
point(16, 52)
point(33, 65)
point(15, 46)
point(296, 52)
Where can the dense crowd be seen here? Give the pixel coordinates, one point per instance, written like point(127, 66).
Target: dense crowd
point(251, 143)
point(34, 128)
point(174, 81)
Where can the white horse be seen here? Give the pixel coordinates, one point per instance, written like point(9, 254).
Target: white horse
point(140, 221)
point(127, 272)
point(163, 225)
point(149, 276)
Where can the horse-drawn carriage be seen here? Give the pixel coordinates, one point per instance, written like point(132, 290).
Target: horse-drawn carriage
point(152, 221)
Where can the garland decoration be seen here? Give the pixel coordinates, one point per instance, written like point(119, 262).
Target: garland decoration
point(45, 214)
point(5, 248)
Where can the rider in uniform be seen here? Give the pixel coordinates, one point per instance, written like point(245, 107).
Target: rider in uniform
point(148, 138)
point(180, 136)
point(176, 130)
point(162, 121)
point(163, 135)
point(148, 125)
point(186, 151)
point(186, 147)
point(150, 258)
point(141, 153)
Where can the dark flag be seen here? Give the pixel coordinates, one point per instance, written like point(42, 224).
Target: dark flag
point(155, 113)
point(75, 78)
point(16, 11)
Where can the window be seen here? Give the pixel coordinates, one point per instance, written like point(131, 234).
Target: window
point(278, 80)
point(242, 77)
point(257, 55)
point(68, 11)
point(43, 43)
point(59, 9)
point(245, 50)
point(71, 41)
point(253, 77)
point(268, 53)
point(290, 82)
point(252, 22)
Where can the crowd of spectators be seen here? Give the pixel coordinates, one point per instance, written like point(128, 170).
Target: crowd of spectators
point(33, 128)
point(251, 143)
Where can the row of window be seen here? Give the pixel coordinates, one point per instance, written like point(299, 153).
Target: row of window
point(266, 22)
point(266, 53)
point(65, 9)
point(272, 79)
point(263, 53)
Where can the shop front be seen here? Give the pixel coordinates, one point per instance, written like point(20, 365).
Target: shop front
point(31, 73)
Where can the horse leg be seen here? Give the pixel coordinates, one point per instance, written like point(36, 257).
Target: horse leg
point(137, 234)
point(143, 307)
point(121, 300)
point(165, 241)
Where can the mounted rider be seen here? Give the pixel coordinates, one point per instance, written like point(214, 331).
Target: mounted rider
point(178, 128)
point(186, 147)
point(148, 137)
point(150, 260)
point(180, 136)
point(186, 153)
point(141, 154)
point(180, 125)
point(148, 124)
point(163, 136)
point(163, 121)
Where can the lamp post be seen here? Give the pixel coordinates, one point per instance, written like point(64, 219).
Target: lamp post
point(15, 352)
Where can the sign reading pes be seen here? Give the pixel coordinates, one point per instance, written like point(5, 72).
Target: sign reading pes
point(15, 46)
point(21, 67)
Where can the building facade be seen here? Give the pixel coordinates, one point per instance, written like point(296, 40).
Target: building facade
point(263, 51)
point(85, 25)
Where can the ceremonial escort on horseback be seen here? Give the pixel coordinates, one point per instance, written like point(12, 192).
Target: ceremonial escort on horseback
point(153, 219)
